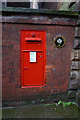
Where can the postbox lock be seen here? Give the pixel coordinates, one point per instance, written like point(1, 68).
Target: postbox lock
point(25, 68)
point(40, 56)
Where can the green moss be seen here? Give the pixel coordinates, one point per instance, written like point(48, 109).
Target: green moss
point(65, 103)
point(41, 111)
point(38, 11)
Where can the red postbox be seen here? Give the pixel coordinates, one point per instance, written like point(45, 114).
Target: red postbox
point(32, 50)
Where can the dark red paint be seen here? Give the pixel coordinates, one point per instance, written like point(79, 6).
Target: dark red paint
point(32, 73)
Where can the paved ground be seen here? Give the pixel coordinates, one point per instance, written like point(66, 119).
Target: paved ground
point(42, 111)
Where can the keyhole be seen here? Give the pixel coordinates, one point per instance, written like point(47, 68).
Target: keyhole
point(25, 68)
point(40, 56)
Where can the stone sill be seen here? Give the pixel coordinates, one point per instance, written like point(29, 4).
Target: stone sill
point(38, 11)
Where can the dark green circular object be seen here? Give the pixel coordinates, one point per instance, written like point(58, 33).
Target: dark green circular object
point(59, 41)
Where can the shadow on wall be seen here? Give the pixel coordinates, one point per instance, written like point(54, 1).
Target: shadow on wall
point(41, 5)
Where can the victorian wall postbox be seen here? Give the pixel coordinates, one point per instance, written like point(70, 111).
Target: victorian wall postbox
point(32, 50)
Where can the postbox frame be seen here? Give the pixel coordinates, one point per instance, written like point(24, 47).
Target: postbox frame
point(21, 60)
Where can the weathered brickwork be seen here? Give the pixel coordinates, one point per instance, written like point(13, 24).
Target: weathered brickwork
point(74, 83)
point(75, 55)
point(57, 60)
point(75, 65)
point(77, 43)
point(77, 32)
point(54, 61)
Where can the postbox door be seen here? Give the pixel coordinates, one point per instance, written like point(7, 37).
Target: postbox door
point(32, 49)
point(33, 68)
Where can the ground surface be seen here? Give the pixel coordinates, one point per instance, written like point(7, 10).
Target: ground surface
point(42, 111)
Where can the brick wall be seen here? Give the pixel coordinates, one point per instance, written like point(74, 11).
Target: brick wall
point(57, 60)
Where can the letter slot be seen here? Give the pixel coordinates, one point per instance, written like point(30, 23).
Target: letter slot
point(33, 40)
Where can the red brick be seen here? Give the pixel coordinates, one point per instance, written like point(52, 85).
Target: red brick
point(57, 60)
